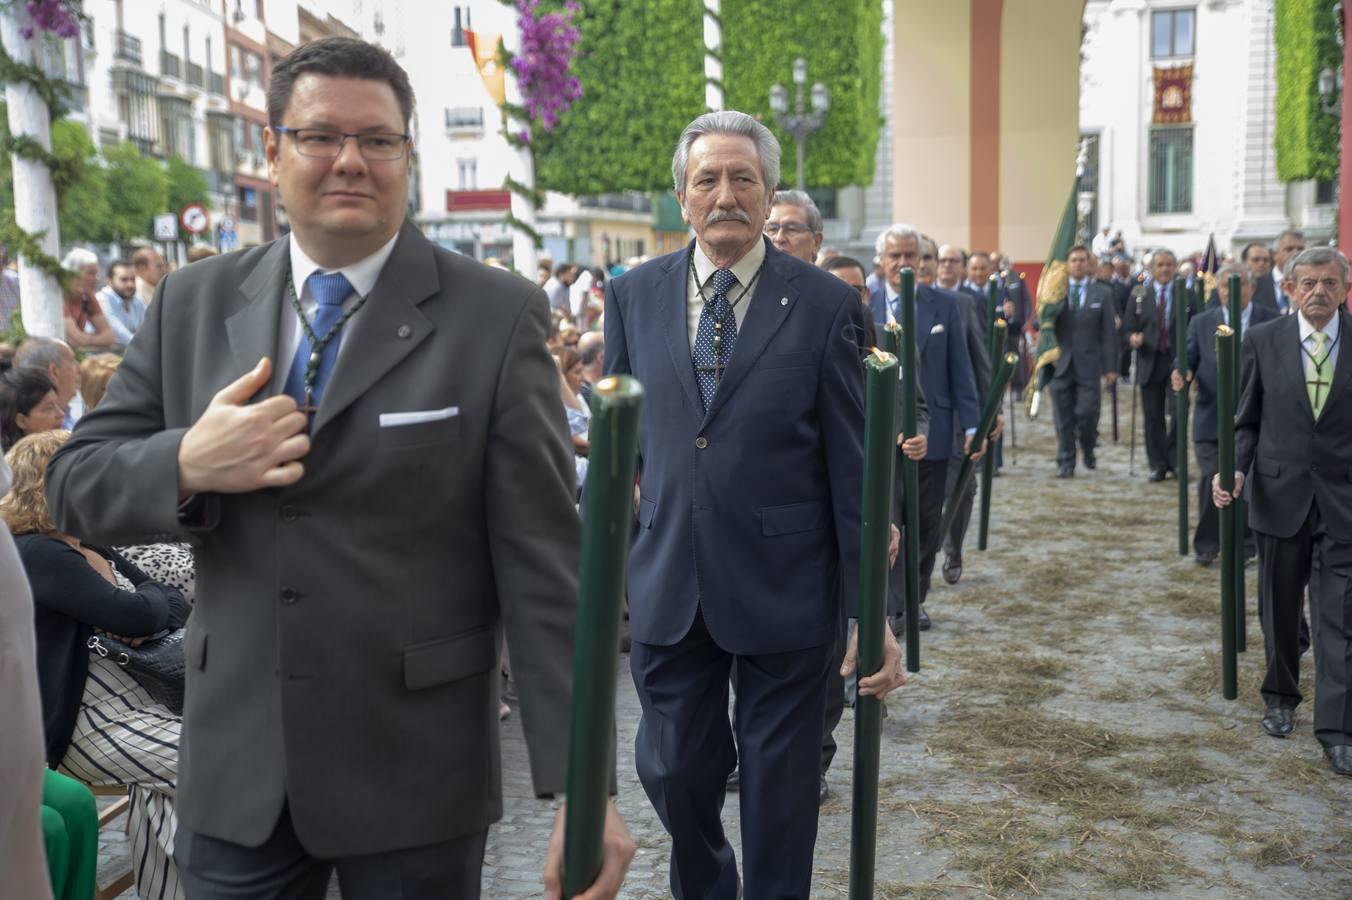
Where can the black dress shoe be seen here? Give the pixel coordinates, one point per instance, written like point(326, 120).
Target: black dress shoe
point(925, 623)
point(1205, 559)
point(1065, 471)
point(1090, 462)
point(952, 570)
point(824, 793)
point(1157, 475)
point(1340, 757)
point(1279, 721)
point(735, 779)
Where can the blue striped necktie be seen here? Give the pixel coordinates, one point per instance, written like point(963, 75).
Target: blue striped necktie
point(330, 291)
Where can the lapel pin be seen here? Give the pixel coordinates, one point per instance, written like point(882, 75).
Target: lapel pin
point(783, 301)
point(404, 331)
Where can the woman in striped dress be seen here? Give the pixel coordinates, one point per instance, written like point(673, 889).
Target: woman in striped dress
point(101, 726)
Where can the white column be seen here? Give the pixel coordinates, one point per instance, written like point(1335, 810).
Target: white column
point(34, 195)
point(713, 63)
point(521, 167)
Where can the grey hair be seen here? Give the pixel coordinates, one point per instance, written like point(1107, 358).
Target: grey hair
point(898, 230)
point(731, 122)
point(801, 200)
point(1233, 268)
point(42, 353)
point(77, 259)
point(1318, 256)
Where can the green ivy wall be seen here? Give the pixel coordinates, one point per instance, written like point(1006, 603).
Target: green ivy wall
point(1307, 137)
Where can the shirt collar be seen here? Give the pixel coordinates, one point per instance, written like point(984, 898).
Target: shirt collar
point(1306, 329)
point(361, 274)
point(745, 268)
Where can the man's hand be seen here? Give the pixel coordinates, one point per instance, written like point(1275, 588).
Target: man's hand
point(967, 448)
point(913, 447)
point(1009, 309)
point(617, 850)
point(999, 427)
point(893, 545)
point(234, 448)
point(1136, 340)
point(888, 677)
point(1176, 381)
point(1220, 497)
point(1112, 378)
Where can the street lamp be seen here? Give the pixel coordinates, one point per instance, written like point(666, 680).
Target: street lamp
point(800, 123)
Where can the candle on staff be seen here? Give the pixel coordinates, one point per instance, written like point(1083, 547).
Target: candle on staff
point(1225, 460)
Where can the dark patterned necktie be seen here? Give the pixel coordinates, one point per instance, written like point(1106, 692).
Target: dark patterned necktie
point(716, 336)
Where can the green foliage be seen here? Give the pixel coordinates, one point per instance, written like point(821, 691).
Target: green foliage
point(1306, 136)
point(843, 45)
point(138, 188)
point(642, 72)
point(186, 184)
point(81, 186)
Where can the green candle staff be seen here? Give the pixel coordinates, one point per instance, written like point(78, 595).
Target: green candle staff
point(880, 397)
point(910, 470)
point(608, 516)
point(997, 345)
point(1241, 507)
point(1225, 459)
point(986, 423)
point(1179, 337)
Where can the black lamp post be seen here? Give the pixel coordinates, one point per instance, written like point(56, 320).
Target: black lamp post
point(800, 123)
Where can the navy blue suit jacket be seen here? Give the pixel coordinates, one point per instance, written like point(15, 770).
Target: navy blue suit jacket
point(945, 366)
point(1202, 364)
point(748, 512)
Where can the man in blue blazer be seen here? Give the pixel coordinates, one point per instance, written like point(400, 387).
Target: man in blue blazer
point(750, 462)
point(946, 377)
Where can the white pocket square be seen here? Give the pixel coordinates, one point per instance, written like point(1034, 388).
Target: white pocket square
point(1095, 305)
point(394, 420)
point(937, 329)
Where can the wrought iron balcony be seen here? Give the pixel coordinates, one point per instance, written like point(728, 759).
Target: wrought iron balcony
point(196, 76)
point(169, 65)
point(127, 48)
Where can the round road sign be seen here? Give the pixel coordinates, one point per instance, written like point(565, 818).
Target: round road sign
point(194, 218)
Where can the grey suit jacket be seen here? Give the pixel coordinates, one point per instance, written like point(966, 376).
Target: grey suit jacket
point(1088, 336)
point(343, 652)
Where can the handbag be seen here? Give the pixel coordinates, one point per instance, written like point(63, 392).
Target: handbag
point(157, 665)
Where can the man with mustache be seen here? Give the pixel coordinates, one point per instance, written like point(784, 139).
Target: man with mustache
point(750, 462)
point(1292, 434)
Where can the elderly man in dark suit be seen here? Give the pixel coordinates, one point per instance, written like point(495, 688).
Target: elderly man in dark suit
point(358, 511)
point(1202, 372)
point(946, 377)
point(1086, 333)
point(1292, 435)
point(750, 462)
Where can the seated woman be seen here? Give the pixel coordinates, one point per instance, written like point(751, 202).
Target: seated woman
point(101, 727)
point(579, 414)
point(28, 405)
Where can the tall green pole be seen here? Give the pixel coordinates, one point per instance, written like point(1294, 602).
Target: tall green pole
point(607, 523)
point(998, 329)
point(1241, 508)
point(880, 449)
point(910, 469)
point(1225, 460)
point(1180, 339)
point(987, 422)
point(992, 314)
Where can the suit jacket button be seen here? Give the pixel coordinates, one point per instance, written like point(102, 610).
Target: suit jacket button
point(290, 514)
point(701, 442)
point(1314, 467)
point(289, 595)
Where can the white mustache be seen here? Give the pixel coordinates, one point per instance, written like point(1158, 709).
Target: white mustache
point(727, 215)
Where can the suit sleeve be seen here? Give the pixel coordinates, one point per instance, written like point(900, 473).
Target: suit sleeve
point(977, 352)
point(840, 405)
point(533, 537)
point(116, 480)
point(1250, 412)
point(961, 381)
point(1108, 337)
point(1194, 345)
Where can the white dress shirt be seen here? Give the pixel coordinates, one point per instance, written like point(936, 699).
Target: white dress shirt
point(361, 274)
point(1245, 316)
point(745, 269)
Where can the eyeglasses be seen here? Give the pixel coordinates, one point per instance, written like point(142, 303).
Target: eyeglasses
point(319, 143)
point(950, 260)
point(789, 228)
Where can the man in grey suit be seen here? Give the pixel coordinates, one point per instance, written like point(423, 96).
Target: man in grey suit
point(369, 515)
point(1086, 333)
point(1293, 428)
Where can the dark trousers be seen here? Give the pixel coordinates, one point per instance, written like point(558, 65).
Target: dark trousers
point(1075, 405)
point(1207, 537)
point(957, 532)
point(281, 869)
point(1155, 406)
point(933, 480)
point(685, 750)
point(835, 697)
point(1309, 557)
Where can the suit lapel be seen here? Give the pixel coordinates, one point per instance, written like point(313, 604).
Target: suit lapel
point(388, 328)
point(1342, 372)
point(253, 331)
point(672, 311)
point(924, 317)
point(763, 318)
point(1291, 362)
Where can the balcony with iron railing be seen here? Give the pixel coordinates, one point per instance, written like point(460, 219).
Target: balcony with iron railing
point(169, 65)
point(216, 83)
point(127, 48)
point(196, 76)
point(464, 118)
point(639, 203)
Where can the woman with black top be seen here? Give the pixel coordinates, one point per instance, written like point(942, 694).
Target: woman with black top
point(101, 726)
